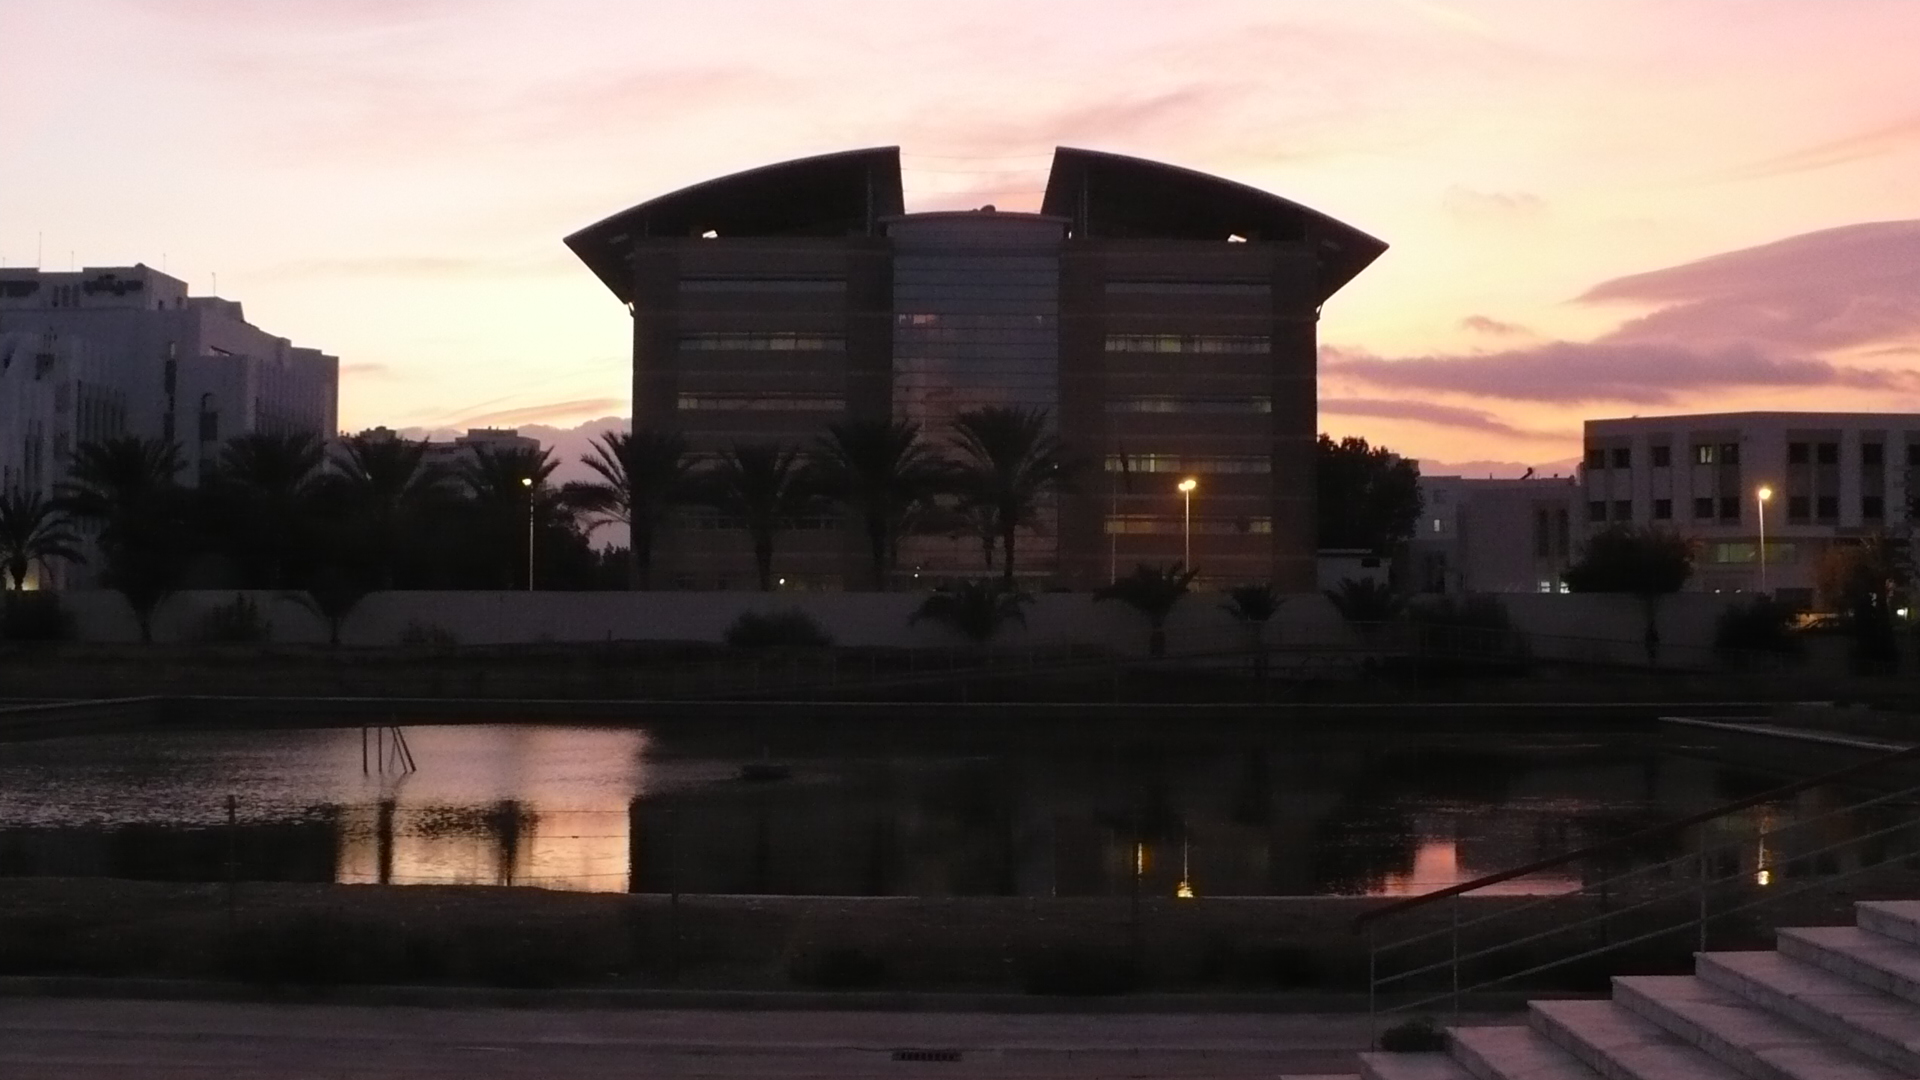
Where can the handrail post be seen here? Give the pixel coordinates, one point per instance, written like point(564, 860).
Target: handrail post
point(1703, 887)
point(1455, 936)
point(1373, 981)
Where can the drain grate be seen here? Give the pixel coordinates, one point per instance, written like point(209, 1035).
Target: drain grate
point(926, 1055)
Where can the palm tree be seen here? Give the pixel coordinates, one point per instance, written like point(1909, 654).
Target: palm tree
point(33, 532)
point(884, 472)
point(643, 476)
point(507, 485)
point(1365, 600)
point(1152, 591)
point(977, 609)
point(767, 487)
point(1009, 463)
point(265, 488)
point(1254, 606)
point(384, 483)
point(125, 485)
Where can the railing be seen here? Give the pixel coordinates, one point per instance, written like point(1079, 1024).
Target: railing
point(1456, 952)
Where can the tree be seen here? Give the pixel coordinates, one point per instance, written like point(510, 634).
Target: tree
point(507, 486)
point(1649, 563)
point(1254, 606)
point(1860, 580)
point(263, 495)
point(1369, 497)
point(977, 609)
point(882, 471)
point(125, 486)
point(643, 476)
point(1008, 464)
point(34, 531)
point(385, 485)
point(766, 486)
point(1152, 591)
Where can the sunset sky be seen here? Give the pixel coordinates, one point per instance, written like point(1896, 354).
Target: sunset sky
point(1595, 209)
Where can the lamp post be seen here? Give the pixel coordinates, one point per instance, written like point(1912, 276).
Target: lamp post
point(1186, 523)
point(1760, 498)
point(527, 482)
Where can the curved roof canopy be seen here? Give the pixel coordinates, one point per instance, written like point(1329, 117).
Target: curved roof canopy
point(830, 195)
point(1112, 196)
point(1105, 196)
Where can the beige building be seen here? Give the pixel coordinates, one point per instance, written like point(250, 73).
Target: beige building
point(1495, 536)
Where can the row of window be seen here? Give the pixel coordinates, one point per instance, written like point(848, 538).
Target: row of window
point(1190, 405)
point(762, 285)
point(1798, 453)
point(775, 342)
point(762, 402)
point(1161, 524)
point(1745, 552)
point(1800, 509)
point(1189, 343)
point(1188, 463)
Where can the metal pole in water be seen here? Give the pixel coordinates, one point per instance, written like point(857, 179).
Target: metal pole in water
point(673, 901)
point(363, 749)
point(1703, 887)
point(1454, 904)
point(233, 853)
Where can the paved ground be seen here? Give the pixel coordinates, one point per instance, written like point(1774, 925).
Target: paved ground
point(71, 1039)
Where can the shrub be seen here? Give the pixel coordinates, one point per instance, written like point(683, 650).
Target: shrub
point(1259, 966)
point(34, 616)
point(1760, 625)
point(1414, 1037)
point(1465, 634)
point(1076, 973)
point(838, 968)
point(417, 634)
point(239, 622)
point(792, 629)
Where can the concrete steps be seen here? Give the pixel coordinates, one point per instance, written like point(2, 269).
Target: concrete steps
point(1830, 1003)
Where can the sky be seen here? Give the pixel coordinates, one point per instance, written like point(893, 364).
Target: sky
point(1630, 207)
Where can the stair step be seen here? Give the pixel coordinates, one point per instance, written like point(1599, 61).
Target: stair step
point(1862, 956)
point(1739, 1034)
point(1897, 919)
point(1881, 1026)
point(1512, 1052)
point(1621, 1046)
point(1381, 1065)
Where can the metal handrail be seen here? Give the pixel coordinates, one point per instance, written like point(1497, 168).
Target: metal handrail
point(1655, 832)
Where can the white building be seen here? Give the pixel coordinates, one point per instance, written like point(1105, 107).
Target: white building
point(143, 358)
point(450, 454)
point(1828, 476)
point(1494, 536)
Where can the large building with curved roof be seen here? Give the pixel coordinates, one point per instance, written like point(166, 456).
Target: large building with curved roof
point(1164, 319)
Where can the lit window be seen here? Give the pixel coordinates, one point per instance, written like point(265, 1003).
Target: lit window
point(1169, 463)
point(1189, 343)
point(1190, 405)
point(784, 342)
point(762, 402)
point(1436, 524)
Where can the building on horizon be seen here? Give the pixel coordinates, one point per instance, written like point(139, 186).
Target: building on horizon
point(124, 350)
point(449, 455)
point(1495, 535)
point(1829, 477)
point(1164, 319)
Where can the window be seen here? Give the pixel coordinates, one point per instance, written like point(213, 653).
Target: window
point(1248, 405)
point(1542, 534)
point(1913, 454)
point(777, 342)
point(1826, 508)
point(1188, 288)
point(1623, 510)
point(1175, 524)
point(1174, 463)
point(1436, 524)
point(1797, 508)
point(1827, 453)
point(1189, 343)
point(1798, 453)
point(762, 285)
point(1596, 458)
point(1597, 510)
point(1703, 509)
point(1873, 507)
point(1622, 457)
point(1872, 455)
point(1730, 453)
point(1663, 509)
point(1662, 456)
point(1730, 508)
point(762, 402)
point(1703, 454)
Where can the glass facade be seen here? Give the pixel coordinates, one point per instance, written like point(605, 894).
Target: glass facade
point(976, 298)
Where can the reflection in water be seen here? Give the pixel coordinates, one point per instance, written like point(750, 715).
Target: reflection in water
point(607, 810)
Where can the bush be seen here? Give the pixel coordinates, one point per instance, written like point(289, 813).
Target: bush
point(417, 634)
point(1259, 966)
point(1761, 625)
point(793, 629)
point(1466, 634)
point(838, 968)
point(34, 616)
point(1076, 973)
point(239, 623)
point(1414, 1037)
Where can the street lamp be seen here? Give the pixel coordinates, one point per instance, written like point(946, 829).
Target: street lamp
point(527, 482)
point(1760, 498)
point(1186, 522)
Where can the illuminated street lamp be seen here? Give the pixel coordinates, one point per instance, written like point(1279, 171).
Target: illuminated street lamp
point(1186, 523)
point(1760, 498)
point(527, 482)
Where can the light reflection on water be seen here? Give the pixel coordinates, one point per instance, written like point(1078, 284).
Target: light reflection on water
point(613, 810)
